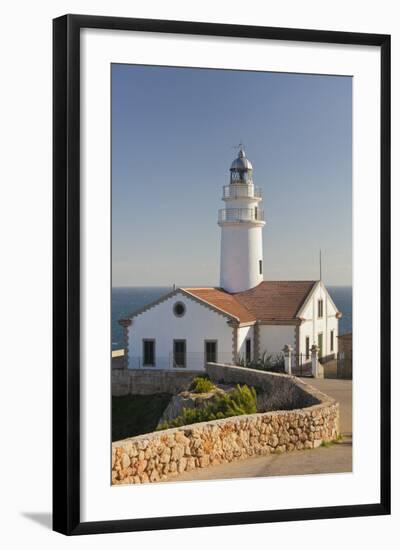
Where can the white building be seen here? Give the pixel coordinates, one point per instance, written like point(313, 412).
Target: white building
point(244, 318)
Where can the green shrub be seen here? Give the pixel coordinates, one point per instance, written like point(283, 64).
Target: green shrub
point(242, 400)
point(267, 362)
point(201, 385)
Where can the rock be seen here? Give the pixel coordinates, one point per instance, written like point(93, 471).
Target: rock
point(144, 478)
point(149, 453)
point(190, 400)
point(141, 466)
point(165, 456)
point(273, 441)
point(177, 452)
point(143, 444)
point(204, 461)
point(181, 438)
point(182, 465)
point(125, 461)
point(154, 476)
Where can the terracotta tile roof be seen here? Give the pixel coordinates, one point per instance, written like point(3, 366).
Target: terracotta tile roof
point(268, 301)
point(275, 300)
point(224, 301)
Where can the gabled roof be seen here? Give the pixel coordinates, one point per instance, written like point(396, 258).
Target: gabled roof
point(270, 301)
point(224, 301)
point(276, 300)
point(216, 299)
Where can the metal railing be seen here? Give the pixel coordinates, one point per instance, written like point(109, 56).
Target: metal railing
point(241, 190)
point(240, 214)
point(189, 360)
point(267, 361)
point(301, 364)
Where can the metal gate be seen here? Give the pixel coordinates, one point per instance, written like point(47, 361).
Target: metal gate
point(301, 364)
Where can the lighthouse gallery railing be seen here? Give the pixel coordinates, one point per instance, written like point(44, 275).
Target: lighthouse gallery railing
point(240, 214)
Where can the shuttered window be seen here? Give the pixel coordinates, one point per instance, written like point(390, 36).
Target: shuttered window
point(211, 351)
point(248, 350)
point(149, 355)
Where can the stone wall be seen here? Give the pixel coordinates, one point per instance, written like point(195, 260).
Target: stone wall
point(274, 391)
point(148, 382)
point(163, 455)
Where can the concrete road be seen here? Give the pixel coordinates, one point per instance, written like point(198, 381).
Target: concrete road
point(333, 459)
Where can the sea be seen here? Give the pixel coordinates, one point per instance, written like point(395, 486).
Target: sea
point(126, 300)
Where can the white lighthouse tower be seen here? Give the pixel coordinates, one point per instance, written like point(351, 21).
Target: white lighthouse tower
point(241, 223)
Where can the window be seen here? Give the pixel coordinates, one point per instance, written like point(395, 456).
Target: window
point(320, 308)
point(260, 266)
point(248, 350)
point(307, 347)
point(210, 351)
point(332, 340)
point(179, 309)
point(180, 353)
point(149, 355)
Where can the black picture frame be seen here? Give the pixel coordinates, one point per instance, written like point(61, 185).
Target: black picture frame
point(66, 273)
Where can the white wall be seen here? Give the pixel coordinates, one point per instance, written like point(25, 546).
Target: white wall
point(312, 325)
point(198, 324)
point(241, 250)
point(274, 337)
point(243, 334)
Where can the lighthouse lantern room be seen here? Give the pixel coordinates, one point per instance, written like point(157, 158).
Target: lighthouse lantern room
point(241, 223)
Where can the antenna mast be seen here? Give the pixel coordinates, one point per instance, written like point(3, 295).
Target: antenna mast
point(320, 265)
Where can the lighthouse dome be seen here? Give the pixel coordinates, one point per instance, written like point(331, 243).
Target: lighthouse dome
point(241, 163)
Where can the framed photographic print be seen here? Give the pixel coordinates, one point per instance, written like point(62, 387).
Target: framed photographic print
point(221, 274)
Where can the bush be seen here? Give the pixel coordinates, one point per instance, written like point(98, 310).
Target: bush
point(242, 400)
point(201, 385)
point(267, 362)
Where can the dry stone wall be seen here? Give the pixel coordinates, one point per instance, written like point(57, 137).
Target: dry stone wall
point(165, 454)
point(148, 382)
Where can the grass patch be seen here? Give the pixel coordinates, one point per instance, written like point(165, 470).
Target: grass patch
point(137, 414)
point(327, 443)
point(202, 385)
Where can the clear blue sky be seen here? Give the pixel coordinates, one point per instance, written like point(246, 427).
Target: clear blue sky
point(173, 132)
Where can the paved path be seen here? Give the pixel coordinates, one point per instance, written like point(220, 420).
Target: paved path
point(333, 459)
point(341, 390)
